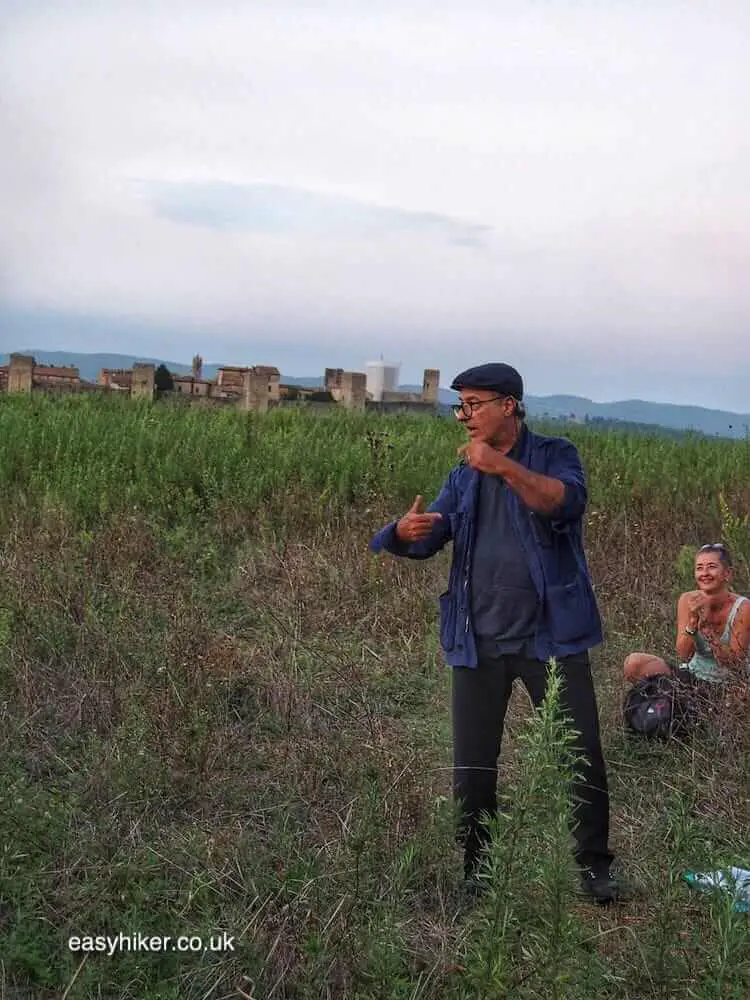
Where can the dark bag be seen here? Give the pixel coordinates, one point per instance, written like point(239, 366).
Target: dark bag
point(658, 707)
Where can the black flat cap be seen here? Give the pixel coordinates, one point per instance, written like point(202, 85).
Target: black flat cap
point(504, 379)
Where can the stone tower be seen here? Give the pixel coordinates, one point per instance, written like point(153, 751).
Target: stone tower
point(332, 382)
point(142, 385)
point(430, 385)
point(21, 373)
point(354, 390)
point(255, 391)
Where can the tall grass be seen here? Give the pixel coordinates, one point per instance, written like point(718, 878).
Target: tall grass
point(95, 455)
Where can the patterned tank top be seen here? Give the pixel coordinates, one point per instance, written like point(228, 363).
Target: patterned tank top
point(702, 664)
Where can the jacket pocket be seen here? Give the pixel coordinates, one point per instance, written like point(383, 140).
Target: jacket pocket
point(570, 611)
point(447, 621)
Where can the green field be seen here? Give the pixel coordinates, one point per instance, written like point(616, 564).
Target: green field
point(221, 714)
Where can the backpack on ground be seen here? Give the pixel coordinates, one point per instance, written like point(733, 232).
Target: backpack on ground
point(658, 707)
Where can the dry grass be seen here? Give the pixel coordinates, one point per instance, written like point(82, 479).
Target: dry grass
point(241, 723)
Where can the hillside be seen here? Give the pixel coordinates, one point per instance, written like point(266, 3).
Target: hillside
point(714, 422)
point(721, 423)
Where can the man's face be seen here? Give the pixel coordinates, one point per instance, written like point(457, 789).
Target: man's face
point(492, 416)
point(711, 574)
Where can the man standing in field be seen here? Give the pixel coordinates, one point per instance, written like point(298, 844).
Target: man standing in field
point(519, 593)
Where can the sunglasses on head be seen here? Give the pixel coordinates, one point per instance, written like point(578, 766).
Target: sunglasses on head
point(716, 547)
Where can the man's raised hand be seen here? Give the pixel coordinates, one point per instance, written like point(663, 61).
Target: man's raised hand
point(416, 525)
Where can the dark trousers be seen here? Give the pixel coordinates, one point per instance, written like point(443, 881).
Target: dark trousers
point(480, 700)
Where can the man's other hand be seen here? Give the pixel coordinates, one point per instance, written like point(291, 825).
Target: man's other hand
point(416, 525)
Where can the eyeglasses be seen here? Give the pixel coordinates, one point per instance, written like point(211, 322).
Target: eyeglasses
point(468, 408)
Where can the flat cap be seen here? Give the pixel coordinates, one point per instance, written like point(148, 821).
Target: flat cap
point(504, 379)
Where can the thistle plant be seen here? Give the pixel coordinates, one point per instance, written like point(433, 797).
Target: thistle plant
point(525, 939)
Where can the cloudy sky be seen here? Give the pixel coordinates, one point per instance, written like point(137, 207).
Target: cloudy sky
point(561, 185)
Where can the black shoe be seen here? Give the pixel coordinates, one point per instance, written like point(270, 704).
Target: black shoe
point(475, 880)
point(473, 887)
point(601, 885)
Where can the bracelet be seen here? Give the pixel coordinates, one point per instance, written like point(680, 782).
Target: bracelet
point(689, 631)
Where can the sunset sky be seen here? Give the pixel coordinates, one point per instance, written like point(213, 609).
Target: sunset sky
point(559, 185)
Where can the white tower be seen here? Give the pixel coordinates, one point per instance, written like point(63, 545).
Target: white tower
point(382, 376)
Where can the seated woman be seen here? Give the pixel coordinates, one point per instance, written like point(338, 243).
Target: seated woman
point(713, 628)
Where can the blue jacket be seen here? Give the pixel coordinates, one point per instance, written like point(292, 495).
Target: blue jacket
point(569, 620)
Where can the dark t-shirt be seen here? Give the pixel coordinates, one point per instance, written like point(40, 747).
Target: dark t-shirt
point(504, 601)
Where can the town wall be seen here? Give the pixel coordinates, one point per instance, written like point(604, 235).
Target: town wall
point(401, 406)
point(256, 388)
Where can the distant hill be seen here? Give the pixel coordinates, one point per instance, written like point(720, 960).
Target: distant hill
point(637, 411)
point(723, 423)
